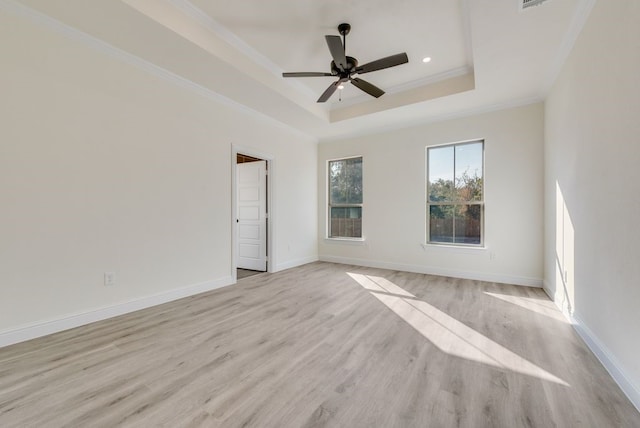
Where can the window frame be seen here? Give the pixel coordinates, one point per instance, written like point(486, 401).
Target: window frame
point(330, 205)
point(428, 203)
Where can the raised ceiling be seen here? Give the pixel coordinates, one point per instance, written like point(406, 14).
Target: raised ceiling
point(485, 54)
point(290, 34)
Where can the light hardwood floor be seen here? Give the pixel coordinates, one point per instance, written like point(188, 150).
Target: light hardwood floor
point(320, 345)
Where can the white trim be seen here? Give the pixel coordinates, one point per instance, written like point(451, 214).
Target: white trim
point(345, 241)
point(547, 290)
point(142, 64)
point(429, 80)
point(579, 19)
point(456, 143)
point(222, 32)
point(343, 158)
point(559, 300)
point(327, 202)
point(599, 349)
point(465, 10)
point(271, 229)
point(295, 263)
point(236, 42)
point(43, 328)
point(608, 360)
point(433, 270)
point(462, 249)
point(419, 121)
point(406, 86)
point(426, 203)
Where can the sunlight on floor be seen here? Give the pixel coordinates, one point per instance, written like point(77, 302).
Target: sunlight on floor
point(447, 333)
point(531, 304)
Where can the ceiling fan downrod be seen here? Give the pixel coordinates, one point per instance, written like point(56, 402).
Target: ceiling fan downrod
point(344, 29)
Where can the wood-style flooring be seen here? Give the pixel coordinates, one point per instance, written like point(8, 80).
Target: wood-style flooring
point(320, 345)
point(245, 273)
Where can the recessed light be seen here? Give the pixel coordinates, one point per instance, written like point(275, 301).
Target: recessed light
point(426, 59)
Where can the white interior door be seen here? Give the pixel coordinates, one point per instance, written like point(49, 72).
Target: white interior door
point(251, 182)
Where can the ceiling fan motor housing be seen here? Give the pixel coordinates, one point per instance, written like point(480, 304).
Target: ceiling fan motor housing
point(352, 63)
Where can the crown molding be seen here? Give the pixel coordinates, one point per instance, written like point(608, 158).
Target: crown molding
point(407, 86)
point(579, 19)
point(234, 41)
point(466, 30)
point(116, 53)
point(434, 119)
point(222, 32)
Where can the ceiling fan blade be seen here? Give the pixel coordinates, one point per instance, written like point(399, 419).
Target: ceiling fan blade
point(337, 51)
point(306, 74)
point(367, 87)
point(330, 90)
point(382, 63)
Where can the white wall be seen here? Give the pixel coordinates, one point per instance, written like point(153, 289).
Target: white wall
point(592, 176)
point(394, 198)
point(107, 167)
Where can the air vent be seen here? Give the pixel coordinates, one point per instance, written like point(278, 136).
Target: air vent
point(525, 4)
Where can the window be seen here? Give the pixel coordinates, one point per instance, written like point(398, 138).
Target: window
point(455, 194)
point(345, 198)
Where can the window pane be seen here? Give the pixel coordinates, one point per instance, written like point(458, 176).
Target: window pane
point(455, 176)
point(441, 223)
point(345, 222)
point(345, 181)
point(468, 224)
point(469, 172)
point(441, 174)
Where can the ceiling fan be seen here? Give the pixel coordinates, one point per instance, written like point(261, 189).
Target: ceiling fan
point(344, 67)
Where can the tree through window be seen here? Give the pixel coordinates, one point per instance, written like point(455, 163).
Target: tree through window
point(455, 194)
point(345, 198)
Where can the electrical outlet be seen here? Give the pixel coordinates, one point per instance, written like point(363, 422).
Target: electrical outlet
point(109, 279)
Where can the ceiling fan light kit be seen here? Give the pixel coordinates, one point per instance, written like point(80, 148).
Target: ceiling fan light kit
point(345, 67)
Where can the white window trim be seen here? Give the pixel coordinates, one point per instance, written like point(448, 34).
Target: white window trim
point(455, 245)
point(339, 239)
point(471, 249)
point(346, 241)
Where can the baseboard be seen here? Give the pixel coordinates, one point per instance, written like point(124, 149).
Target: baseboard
point(32, 331)
point(610, 363)
point(431, 270)
point(295, 263)
point(559, 300)
point(599, 349)
point(547, 290)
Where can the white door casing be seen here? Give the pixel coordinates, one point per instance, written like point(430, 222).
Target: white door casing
point(251, 185)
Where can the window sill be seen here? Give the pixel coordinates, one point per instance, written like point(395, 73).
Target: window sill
point(347, 241)
point(455, 248)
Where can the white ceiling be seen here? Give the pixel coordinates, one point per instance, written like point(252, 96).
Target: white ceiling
point(486, 54)
point(290, 34)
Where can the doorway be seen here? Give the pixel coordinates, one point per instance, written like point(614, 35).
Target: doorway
point(251, 193)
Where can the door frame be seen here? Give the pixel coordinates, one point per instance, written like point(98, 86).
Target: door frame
point(271, 236)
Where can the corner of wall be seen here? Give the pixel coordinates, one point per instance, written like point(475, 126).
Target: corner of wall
point(295, 263)
point(608, 360)
point(599, 349)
